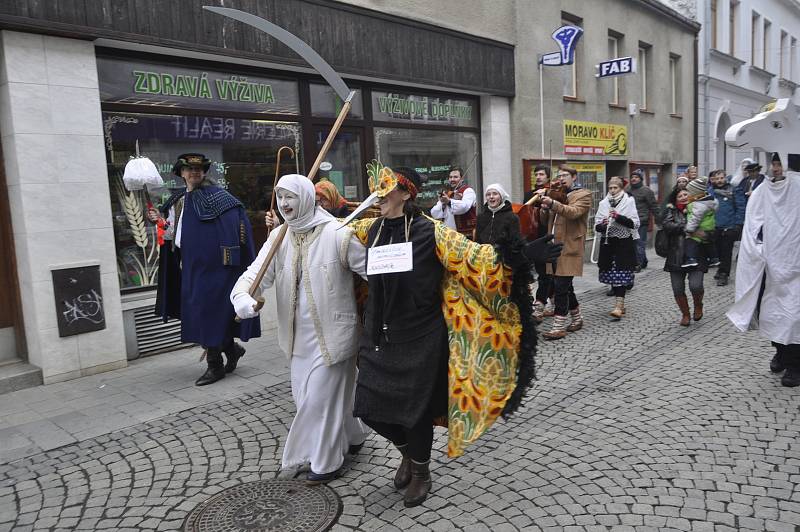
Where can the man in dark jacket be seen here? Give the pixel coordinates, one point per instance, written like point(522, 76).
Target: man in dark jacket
point(645, 206)
point(752, 180)
point(209, 243)
point(729, 219)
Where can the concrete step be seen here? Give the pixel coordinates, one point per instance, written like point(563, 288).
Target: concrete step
point(18, 375)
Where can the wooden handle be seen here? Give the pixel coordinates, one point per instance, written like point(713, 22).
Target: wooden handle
point(254, 288)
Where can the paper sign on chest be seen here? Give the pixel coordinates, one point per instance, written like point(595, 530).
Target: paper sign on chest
point(393, 258)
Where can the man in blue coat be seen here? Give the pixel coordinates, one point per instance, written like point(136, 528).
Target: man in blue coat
point(208, 245)
point(729, 219)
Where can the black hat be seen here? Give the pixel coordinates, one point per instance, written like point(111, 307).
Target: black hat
point(191, 159)
point(776, 158)
point(753, 166)
point(639, 173)
point(410, 174)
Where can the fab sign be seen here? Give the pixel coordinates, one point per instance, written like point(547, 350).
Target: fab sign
point(616, 67)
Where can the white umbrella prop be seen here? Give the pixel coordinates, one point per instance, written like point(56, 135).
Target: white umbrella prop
point(140, 172)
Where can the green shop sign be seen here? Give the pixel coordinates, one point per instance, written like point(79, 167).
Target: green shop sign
point(393, 107)
point(236, 88)
point(151, 84)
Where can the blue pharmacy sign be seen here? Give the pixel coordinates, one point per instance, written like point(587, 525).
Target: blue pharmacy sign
point(567, 38)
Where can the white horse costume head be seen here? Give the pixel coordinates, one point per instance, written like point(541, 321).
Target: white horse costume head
point(774, 130)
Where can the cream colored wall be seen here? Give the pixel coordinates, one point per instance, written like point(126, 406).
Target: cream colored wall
point(52, 138)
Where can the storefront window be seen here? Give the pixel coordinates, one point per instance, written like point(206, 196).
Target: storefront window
point(592, 176)
point(243, 154)
point(431, 153)
point(345, 168)
point(326, 103)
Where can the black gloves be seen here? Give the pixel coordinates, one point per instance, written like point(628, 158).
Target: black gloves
point(542, 250)
point(600, 228)
point(624, 221)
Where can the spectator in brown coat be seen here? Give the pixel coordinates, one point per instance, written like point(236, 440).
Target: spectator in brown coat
point(567, 221)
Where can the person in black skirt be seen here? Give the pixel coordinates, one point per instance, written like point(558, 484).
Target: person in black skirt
point(403, 355)
point(617, 224)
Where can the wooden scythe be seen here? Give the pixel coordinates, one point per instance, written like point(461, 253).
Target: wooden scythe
point(334, 80)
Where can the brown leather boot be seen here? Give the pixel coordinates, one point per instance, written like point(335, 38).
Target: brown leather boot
point(683, 304)
point(403, 475)
point(420, 484)
point(697, 297)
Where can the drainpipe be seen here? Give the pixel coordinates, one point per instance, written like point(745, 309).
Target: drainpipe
point(695, 113)
point(706, 82)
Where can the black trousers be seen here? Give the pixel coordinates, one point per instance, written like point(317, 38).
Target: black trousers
point(419, 437)
point(565, 299)
point(725, 238)
point(789, 355)
point(544, 282)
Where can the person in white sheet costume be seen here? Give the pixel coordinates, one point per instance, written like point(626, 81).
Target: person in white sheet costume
point(318, 327)
point(768, 270)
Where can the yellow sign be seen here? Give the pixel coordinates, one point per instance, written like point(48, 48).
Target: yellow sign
point(594, 138)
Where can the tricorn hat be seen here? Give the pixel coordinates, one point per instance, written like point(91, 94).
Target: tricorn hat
point(753, 166)
point(191, 159)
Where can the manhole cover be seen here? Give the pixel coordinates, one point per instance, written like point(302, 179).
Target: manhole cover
point(267, 506)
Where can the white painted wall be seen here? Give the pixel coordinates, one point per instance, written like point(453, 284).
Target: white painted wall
point(495, 145)
point(55, 165)
point(741, 92)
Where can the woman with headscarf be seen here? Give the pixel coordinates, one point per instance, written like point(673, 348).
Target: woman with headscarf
point(496, 222)
point(328, 198)
point(317, 327)
point(448, 337)
point(617, 224)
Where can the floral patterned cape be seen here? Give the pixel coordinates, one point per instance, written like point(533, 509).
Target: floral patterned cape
point(491, 359)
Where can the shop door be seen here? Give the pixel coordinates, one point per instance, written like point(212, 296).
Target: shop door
point(652, 179)
point(346, 158)
point(10, 343)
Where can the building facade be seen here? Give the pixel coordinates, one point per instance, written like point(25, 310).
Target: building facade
point(439, 84)
point(748, 57)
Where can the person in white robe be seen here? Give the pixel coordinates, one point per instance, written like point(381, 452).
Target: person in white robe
point(768, 272)
point(318, 327)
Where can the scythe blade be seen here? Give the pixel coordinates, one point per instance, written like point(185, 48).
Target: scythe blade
point(292, 41)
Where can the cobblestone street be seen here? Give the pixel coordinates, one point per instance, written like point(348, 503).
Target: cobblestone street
point(635, 425)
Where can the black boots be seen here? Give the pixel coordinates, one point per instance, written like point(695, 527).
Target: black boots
point(722, 280)
point(420, 484)
point(233, 353)
point(215, 371)
point(791, 378)
point(776, 364)
point(403, 475)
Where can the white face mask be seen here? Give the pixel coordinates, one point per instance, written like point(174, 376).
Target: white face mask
point(288, 204)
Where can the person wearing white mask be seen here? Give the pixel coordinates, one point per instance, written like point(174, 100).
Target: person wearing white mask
point(497, 220)
point(318, 327)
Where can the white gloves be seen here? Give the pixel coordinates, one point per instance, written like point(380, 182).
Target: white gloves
point(244, 305)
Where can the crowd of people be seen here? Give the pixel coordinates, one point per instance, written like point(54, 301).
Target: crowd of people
point(442, 294)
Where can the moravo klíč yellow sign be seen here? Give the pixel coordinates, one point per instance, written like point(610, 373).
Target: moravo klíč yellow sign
point(593, 138)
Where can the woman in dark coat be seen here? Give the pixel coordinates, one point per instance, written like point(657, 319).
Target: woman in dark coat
point(496, 222)
point(674, 223)
point(616, 225)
